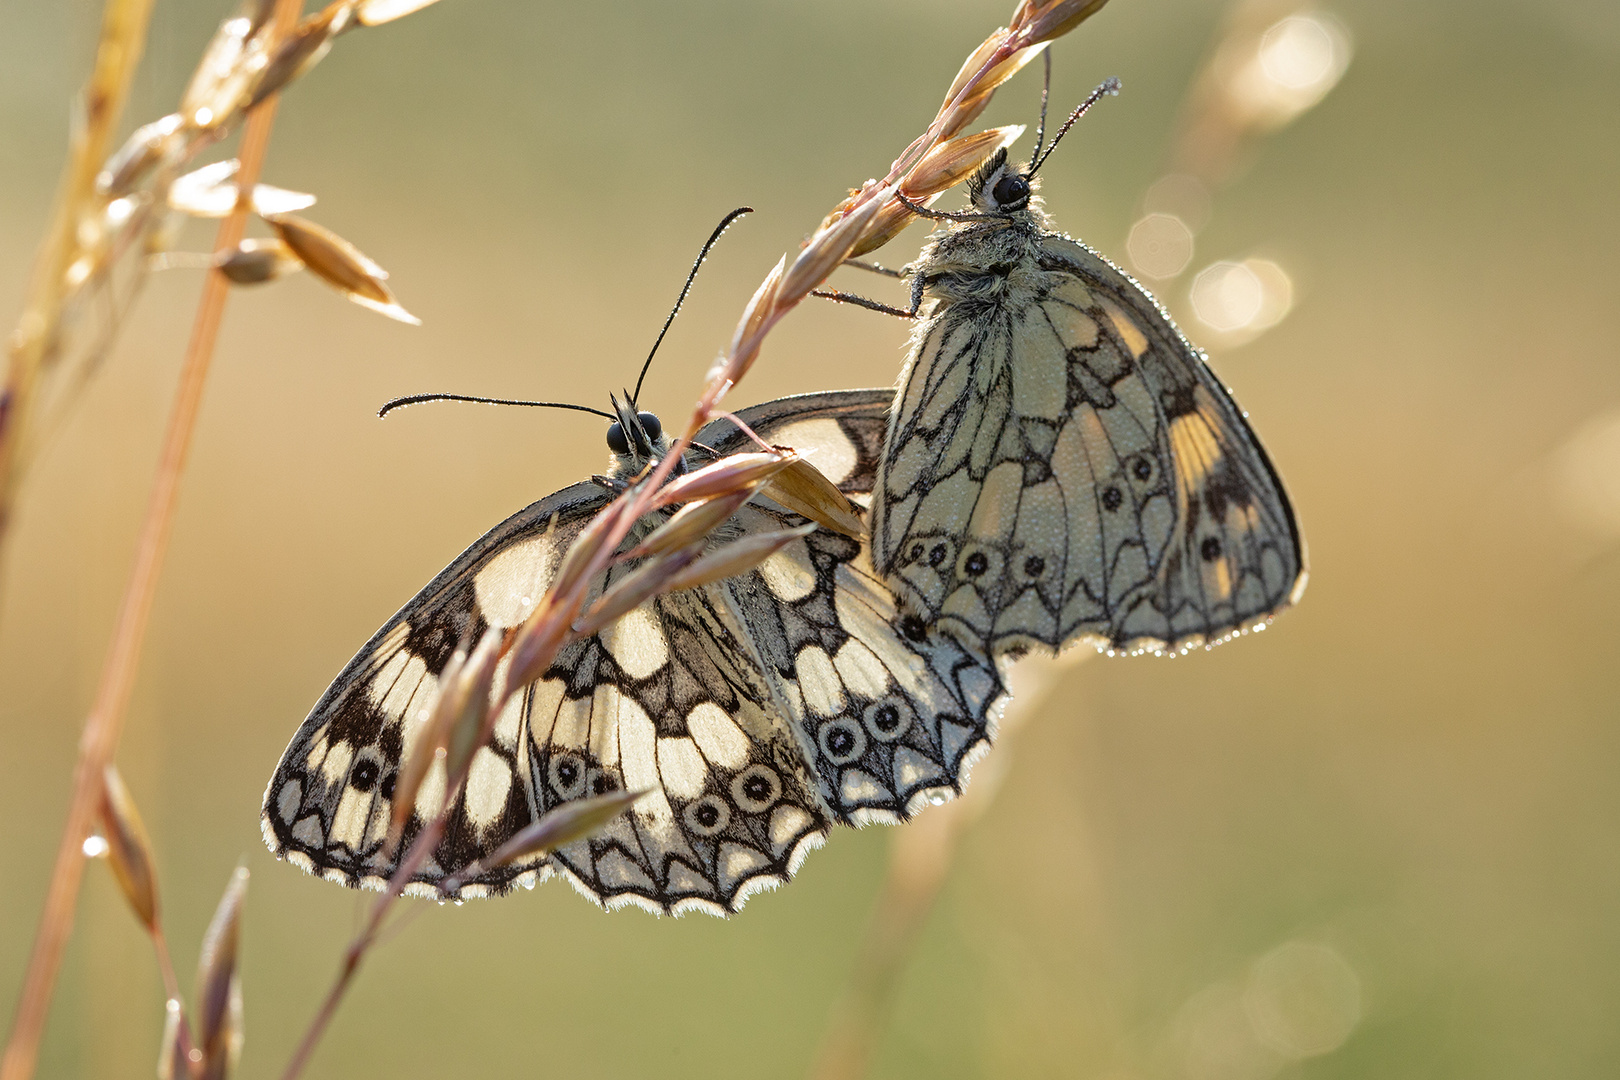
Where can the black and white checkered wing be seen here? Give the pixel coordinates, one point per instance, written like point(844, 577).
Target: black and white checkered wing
point(717, 700)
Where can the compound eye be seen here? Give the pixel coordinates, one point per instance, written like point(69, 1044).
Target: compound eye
point(1010, 190)
point(651, 425)
point(616, 440)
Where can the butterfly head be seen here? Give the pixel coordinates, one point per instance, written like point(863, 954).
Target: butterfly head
point(1001, 187)
point(636, 438)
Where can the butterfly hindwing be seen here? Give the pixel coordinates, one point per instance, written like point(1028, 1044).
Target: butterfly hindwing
point(1061, 463)
point(670, 701)
point(716, 700)
point(890, 714)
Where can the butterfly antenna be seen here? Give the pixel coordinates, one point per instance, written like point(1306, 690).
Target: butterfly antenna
point(417, 399)
point(1109, 87)
point(719, 230)
point(1046, 90)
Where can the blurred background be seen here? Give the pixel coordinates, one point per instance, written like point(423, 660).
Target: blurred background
point(1380, 840)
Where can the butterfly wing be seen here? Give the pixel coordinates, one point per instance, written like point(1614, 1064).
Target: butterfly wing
point(1062, 465)
point(891, 713)
point(674, 698)
point(328, 803)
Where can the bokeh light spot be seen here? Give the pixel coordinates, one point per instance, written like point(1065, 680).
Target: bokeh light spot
point(1298, 61)
point(1183, 195)
point(1586, 475)
point(1298, 52)
point(1242, 298)
point(1160, 245)
point(1218, 1041)
point(1303, 999)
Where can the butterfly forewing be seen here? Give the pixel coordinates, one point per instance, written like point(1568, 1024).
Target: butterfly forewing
point(1062, 464)
point(717, 700)
point(327, 807)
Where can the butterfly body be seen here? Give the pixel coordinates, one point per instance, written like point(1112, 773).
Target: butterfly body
point(1061, 464)
point(758, 710)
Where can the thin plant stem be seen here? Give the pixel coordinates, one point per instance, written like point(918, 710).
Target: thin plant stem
point(118, 53)
point(921, 857)
point(106, 717)
point(171, 983)
point(362, 942)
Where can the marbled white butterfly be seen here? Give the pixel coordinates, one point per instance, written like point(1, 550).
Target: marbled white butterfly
point(759, 710)
point(1061, 464)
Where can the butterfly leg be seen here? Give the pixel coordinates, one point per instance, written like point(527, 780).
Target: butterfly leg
point(861, 301)
point(873, 305)
point(874, 268)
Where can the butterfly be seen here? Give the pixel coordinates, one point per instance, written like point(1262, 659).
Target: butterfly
point(759, 710)
point(1061, 463)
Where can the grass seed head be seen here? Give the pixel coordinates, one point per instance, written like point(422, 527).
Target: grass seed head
point(1044, 21)
point(425, 745)
point(832, 244)
point(304, 47)
point(129, 851)
point(256, 261)
point(210, 193)
point(563, 825)
point(147, 147)
point(341, 265)
point(469, 703)
point(969, 108)
point(218, 994)
point(692, 523)
point(734, 558)
point(377, 12)
point(643, 583)
point(942, 168)
point(175, 1052)
point(971, 67)
point(233, 63)
point(954, 160)
point(580, 553)
point(731, 474)
point(805, 490)
point(744, 343)
point(889, 223)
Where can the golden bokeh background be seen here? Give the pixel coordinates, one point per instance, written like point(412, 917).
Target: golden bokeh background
point(1380, 840)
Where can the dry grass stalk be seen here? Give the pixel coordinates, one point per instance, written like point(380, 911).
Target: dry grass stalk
point(100, 224)
point(219, 987)
point(920, 859)
point(219, 991)
point(129, 854)
point(563, 825)
point(118, 53)
point(112, 219)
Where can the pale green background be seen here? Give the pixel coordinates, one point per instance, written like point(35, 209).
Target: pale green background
point(1418, 767)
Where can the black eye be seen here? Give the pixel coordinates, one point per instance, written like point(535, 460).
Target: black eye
point(1010, 190)
point(651, 425)
point(616, 440)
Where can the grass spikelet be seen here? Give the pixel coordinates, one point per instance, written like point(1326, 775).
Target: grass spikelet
point(129, 851)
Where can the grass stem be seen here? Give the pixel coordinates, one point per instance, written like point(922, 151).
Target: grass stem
point(102, 726)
